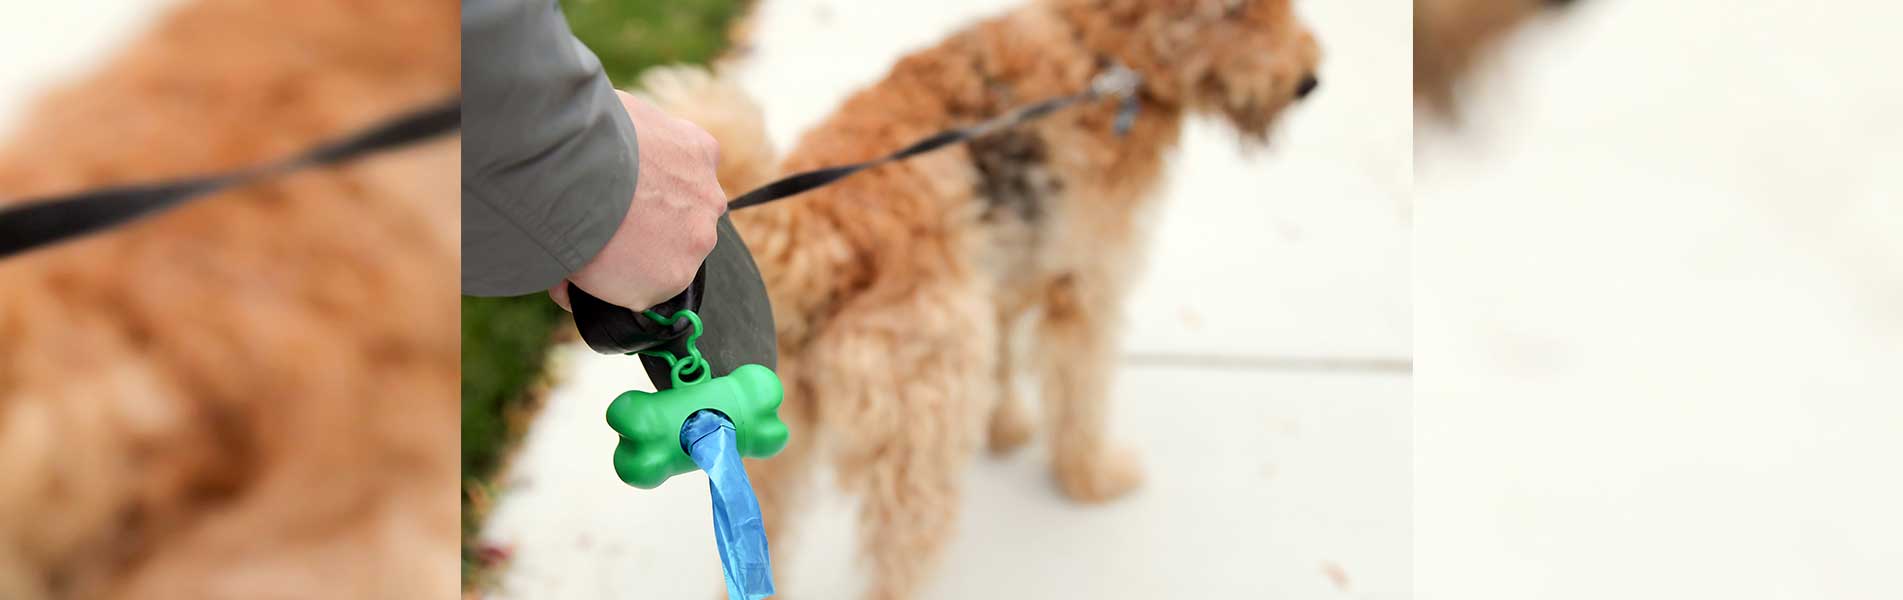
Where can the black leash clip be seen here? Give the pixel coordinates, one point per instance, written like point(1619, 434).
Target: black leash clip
point(611, 329)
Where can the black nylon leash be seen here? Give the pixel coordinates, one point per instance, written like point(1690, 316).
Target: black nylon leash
point(41, 222)
point(1118, 82)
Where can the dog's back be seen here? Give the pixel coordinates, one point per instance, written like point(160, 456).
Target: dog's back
point(256, 395)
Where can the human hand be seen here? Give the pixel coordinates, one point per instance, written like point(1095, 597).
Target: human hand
point(669, 228)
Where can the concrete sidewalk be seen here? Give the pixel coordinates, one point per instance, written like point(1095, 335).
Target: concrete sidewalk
point(1261, 485)
point(1267, 385)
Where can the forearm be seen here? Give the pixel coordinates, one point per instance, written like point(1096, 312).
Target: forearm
point(549, 161)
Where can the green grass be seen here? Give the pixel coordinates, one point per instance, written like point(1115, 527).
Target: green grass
point(505, 340)
point(631, 35)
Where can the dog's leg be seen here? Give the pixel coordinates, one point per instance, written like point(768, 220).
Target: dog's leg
point(1010, 424)
point(906, 388)
point(1078, 353)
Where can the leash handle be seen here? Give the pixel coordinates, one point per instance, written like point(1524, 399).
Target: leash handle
point(612, 329)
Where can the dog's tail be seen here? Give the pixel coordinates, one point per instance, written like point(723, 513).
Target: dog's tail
point(747, 158)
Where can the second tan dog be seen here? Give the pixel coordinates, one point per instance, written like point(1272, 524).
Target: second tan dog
point(893, 290)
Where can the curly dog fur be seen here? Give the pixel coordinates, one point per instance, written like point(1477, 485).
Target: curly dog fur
point(894, 290)
point(255, 396)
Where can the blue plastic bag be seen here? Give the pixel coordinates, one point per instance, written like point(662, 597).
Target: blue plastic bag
point(738, 530)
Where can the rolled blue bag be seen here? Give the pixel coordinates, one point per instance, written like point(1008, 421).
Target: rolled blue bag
point(739, 532)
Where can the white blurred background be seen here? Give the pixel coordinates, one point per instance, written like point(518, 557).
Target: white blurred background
point(1659, 307)
point(45, 43)
point(1274, 303)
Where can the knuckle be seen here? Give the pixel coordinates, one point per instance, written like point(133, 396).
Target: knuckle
point(703, 144)
point(703, 241)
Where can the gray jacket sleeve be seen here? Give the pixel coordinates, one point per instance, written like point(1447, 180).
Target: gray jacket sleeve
point(548, 154)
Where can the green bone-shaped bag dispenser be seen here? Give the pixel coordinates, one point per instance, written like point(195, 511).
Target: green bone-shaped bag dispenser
point(649, 423)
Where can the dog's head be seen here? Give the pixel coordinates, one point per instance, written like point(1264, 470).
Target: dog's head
point(1243, 60)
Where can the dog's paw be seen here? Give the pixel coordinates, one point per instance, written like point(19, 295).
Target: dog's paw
point(1010, 429)
point(1101, 477)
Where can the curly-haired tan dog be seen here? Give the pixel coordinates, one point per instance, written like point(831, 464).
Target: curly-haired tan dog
point(255, 396)
point(1450, 35)
point(894, 289)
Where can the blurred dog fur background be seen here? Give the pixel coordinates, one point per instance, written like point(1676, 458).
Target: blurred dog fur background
point(254, 396)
